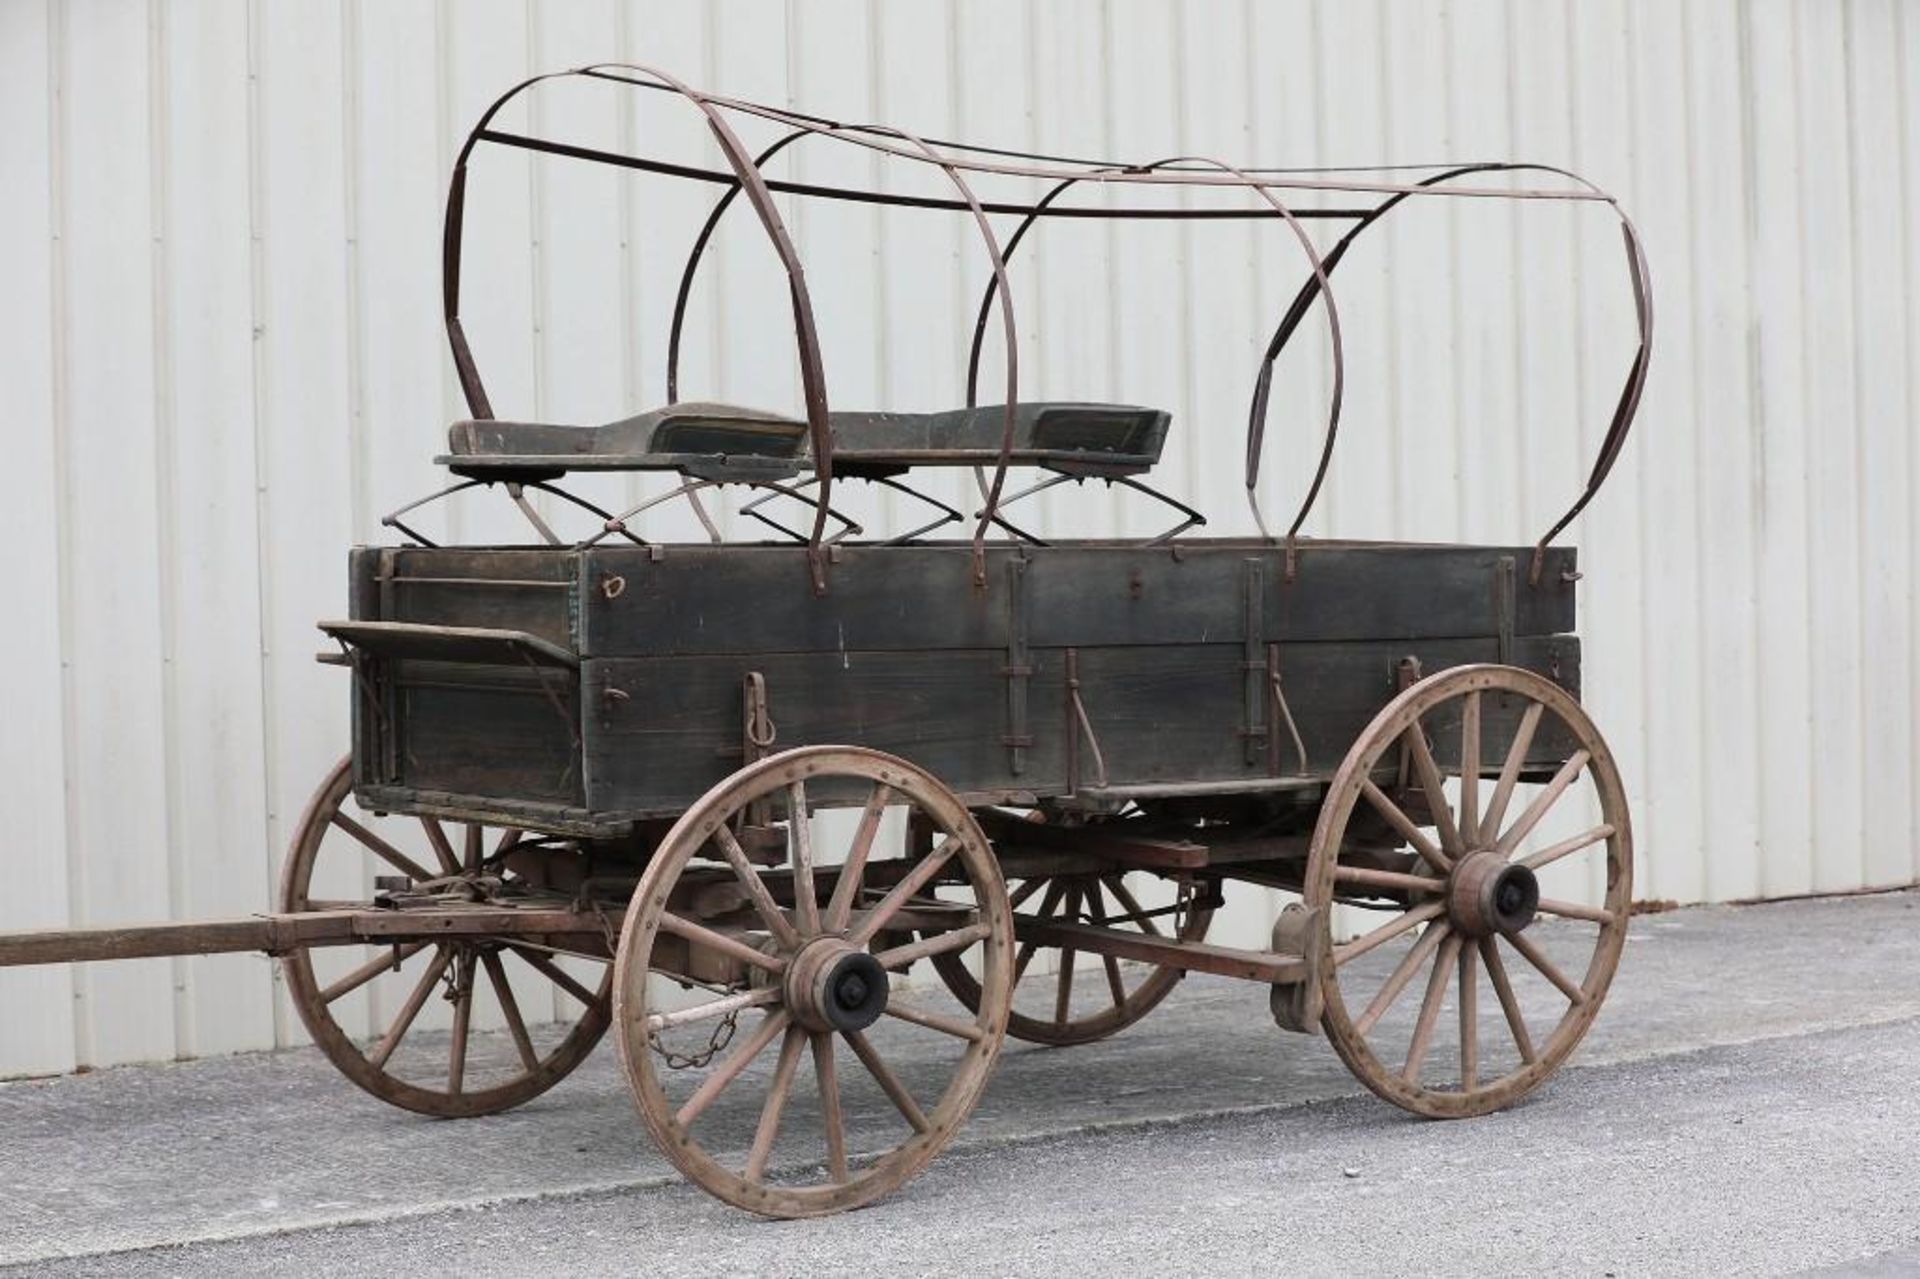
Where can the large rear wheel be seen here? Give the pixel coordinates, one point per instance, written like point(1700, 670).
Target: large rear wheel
point(1505, 880)
point(755, 913)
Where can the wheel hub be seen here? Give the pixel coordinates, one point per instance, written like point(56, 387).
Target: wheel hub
point(831, 985)
point(1488, 894)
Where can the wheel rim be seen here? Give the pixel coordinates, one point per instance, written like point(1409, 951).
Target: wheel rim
point(1047, 1006)
point(783, 955)
point(1488, 906)
point(487, 981)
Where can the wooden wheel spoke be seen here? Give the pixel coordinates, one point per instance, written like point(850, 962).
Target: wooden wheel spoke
point(1510, 770)
point(510, 1009)
point(462, 1024)
point(756, 888)
point(800, 849)
point(732, 947)
point(846, 889)
point(1430, 1009)
point(1404, 827)
point(1118, 887)
point(1402, 974)
point(1545, 800)
point(1566, 847)
point(1048, 905)
point(416, 1000)
point(382, 849)
point(827, 1076)
point(1509, 1003)
point(1348, 951)
point(776, 1105)
point(938, 944)
point(935, 1021)
point(1435, 787)
point(889, 1082)
point(1575, 910)
point(559, 977)
point(759, 997)
point(382, 963)
point(1547, 968)
point(729, 1070)
point(898, 896)
point(442, 847)
point(508, 838)
point(1470, 768)
point(474, 851)
point(1025, 893)
point(1063, 990)
point(1367, 877)
point(1097, 916)
point(1469, 1021)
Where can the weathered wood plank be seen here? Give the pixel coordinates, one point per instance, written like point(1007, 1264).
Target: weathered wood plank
point(1162, 715)
point(706, 600)
point(660, 731)
point(527, 589)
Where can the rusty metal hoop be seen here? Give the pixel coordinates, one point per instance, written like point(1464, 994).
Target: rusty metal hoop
point(954, 159)
point(812, 949)
point(459, 965)
point(1470, 888)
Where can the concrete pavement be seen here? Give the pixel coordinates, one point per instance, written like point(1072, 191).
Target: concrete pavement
point(1746, 1103)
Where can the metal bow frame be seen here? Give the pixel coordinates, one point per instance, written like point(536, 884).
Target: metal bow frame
point(745, 173)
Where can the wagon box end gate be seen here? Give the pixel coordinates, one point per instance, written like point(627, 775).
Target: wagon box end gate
point(863, 805)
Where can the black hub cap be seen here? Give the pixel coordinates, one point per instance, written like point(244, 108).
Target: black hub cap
point(1515, 898)
point(856, 992)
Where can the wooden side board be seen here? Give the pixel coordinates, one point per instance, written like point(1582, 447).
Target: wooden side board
point(1171, 649)
point(696, 600)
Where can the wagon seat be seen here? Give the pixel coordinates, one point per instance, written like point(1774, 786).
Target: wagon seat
point(730, 444)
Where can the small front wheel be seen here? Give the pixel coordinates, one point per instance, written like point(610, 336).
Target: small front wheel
point(335, 855)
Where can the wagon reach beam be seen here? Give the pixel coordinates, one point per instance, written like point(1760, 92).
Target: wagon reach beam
point(1193, 957)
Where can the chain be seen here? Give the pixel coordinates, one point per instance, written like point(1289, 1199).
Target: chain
point(722, 1036)
point(716, 1042)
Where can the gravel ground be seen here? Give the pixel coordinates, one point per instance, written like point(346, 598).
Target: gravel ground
point(1745, 1106)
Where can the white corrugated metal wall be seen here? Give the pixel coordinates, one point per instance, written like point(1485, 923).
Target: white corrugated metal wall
point(221, 360)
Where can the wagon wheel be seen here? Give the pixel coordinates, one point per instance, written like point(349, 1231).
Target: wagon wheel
point(1129, 992)
point(1467, 897)
point(329, 848)
point(796, 942)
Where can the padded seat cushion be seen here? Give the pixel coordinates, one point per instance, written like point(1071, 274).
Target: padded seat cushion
point(707, 441)
point(1079, 439)
point(729, 443)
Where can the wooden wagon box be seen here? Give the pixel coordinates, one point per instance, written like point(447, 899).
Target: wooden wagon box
point(579, 689)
